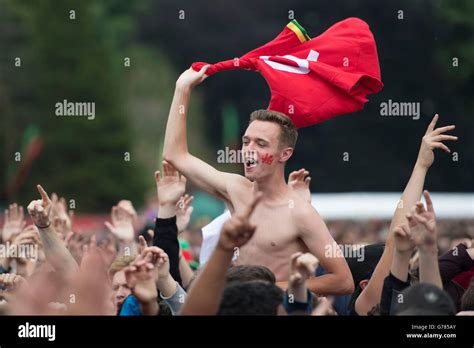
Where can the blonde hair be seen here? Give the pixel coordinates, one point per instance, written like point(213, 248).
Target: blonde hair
point(120, 263)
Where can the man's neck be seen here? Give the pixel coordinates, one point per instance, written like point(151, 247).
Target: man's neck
point(273, 187)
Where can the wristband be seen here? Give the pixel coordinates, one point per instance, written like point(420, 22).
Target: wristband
point(43, 227)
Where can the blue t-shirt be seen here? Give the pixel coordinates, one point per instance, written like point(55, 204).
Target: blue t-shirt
point(130, 306)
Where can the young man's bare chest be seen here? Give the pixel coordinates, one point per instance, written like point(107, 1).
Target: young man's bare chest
point(275, 239)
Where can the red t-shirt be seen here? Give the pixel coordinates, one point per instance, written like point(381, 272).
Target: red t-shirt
point(313, 80)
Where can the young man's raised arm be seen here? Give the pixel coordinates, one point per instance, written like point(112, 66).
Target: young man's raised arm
point(432, 139)
point(175, 149)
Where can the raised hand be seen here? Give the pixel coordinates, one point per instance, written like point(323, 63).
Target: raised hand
point(74, 243)
point(422, 224)
point(106, 250)
point(14, 222)
point(157, 257)
point(190, 78)
point(142, 244)
point(425, 236)
point(161, 263)
point(40, 209)
point(140, 279)
point(12, 284)
point(129, 208)
point(302, 267)
point(324, 307)
point(61, 226)
point(184, 212)
point(403, 239)
point(11, 281)
point(171, 186)
point(60, 216)
point(29, 235)
point(299, 182)
point(432, 139)
point(238, 230)
point(122, 224)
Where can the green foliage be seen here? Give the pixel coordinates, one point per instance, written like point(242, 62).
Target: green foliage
point(92, 54)
point(82, 60)
point(78, 60)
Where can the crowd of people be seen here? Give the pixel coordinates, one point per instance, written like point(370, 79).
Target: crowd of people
point(271, 255)
point(47, 268)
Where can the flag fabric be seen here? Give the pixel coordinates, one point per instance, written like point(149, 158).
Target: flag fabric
point(313, 80)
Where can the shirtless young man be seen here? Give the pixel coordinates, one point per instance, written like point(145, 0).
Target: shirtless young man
point(286, 223)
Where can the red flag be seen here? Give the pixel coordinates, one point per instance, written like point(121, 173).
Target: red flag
point(313, 80)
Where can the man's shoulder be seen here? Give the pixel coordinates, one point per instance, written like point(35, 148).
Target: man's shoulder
point(237, 182)
point(302, 209)
point(304, 215)
point(238, 189)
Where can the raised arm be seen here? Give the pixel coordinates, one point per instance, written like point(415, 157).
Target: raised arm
point(54, 248)
point(175, 149)
point(432, 139)
point(206, 292)
point(14, 223)
point(404, 247)
point(398, 279)
point(170, 186)
point(425, 236)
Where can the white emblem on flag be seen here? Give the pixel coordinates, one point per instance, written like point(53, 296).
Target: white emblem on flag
point(303, 64)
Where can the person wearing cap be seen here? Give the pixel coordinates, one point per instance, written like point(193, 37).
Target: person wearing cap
point(424, 299)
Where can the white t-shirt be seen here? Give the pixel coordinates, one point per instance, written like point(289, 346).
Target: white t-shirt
point(210, 236)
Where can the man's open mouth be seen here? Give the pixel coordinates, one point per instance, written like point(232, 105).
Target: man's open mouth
point(250, 162)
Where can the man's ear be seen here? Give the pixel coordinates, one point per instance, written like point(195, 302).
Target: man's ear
point(363, 283)
point(286, 154)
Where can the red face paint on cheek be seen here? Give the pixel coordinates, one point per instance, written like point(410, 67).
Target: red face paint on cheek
point(267, 159)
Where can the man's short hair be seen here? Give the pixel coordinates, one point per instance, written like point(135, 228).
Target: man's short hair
point(288, 130)
point(251, 298)
point(363, 269)
point(248, 273)
point(120, 263)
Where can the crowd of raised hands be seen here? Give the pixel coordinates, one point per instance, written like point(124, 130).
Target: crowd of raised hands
point(66, 272)
point(117, 272)
point(46, 267)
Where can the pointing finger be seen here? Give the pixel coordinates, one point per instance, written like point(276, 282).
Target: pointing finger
point(432, 124)
point(429, 202)
point(44, 195)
